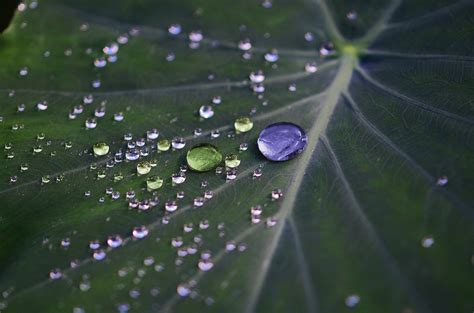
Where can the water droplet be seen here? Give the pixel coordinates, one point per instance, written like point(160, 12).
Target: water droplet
point(195, 36)
point(174, 29)
point(178, 143)
point(114, 241)
point(199, 202)
point(100, 149)
point(282, 141)
point(203, 157)
point(152, 134)
point(206, 111)
point(99, 255)
point(309, 36)
point(311, 67)
point(100, 62)
point(352, 300)
point(327, 49)
point(427, 242)
point(271, 56)
point(111, 49)
point(351, 15)
point(91, 123)
point(205, 265)
point(245, 44)
point(232, 161)
point(55, 274)
point(140, 232)
point(178, 178)
point(154, 182)
point(243, 124)
point(177, 242)
point(230, 246)
point(257, 172)
point(42, 106)
point(171, 206)
point(143, 168)
point(277, 194)
point(118, 117)
point(442, 181)
point(183, 290)
point(257, 77)
point(163, 145)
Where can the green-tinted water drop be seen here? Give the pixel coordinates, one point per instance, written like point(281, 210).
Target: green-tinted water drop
point(100, 149)
point(143, 168)
point(232, 161)
point(243, 124)
point(154, 182)
point(203, 157)
point(164, 145)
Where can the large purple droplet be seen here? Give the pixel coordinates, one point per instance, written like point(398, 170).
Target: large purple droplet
point(282, 141)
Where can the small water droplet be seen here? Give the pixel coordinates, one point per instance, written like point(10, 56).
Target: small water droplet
point(243, 124)
point(205, 265)
point(143, 168)
point(206, 111)
point(114, 241)
point(154, 183)
point(352, 300)
point(174, 29)
point(100, 149)
point(427, 242)
point(257, 77)
point(178, 143)
point(232, 161)
point(140, 232)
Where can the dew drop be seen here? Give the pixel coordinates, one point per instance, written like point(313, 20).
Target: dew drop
point(245, 44)
point(154, 183)
point(257, 77)
point(143, 168)
point(183, 290)
point(55, 274)
point(100, 149)
point(91, 123)
point(277, 194)
point(427, 242)
point(205, 265)
point(232, 161)
point(163, 145)
point(311, 67)
point(99, 255)
point(282, 141)
point(114, 241)
point(243, 124)
point(352, 300)
point(271, 56)
point(178, 178)
point(178, 143)
point(174, 29)
point(203, 157)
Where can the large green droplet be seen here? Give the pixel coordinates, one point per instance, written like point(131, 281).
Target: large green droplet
point(154, 182)
point(100, 149)
point(203, 157)
point(243, 124)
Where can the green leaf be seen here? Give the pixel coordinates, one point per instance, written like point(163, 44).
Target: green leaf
point(376, 214)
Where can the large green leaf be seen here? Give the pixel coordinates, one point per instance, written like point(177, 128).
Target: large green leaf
point(364, 223)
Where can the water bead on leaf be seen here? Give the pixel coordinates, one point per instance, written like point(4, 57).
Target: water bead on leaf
point(143, 168)
point(100, 149)
point(203, 157)
point(243, 124)
point(154, 182)
point(164, 145)
point(282, 141)
point(232, 161)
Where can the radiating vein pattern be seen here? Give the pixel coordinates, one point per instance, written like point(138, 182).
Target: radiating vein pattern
point(100, 103)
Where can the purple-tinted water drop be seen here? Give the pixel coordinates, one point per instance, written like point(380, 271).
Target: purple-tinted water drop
point(282, 141)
